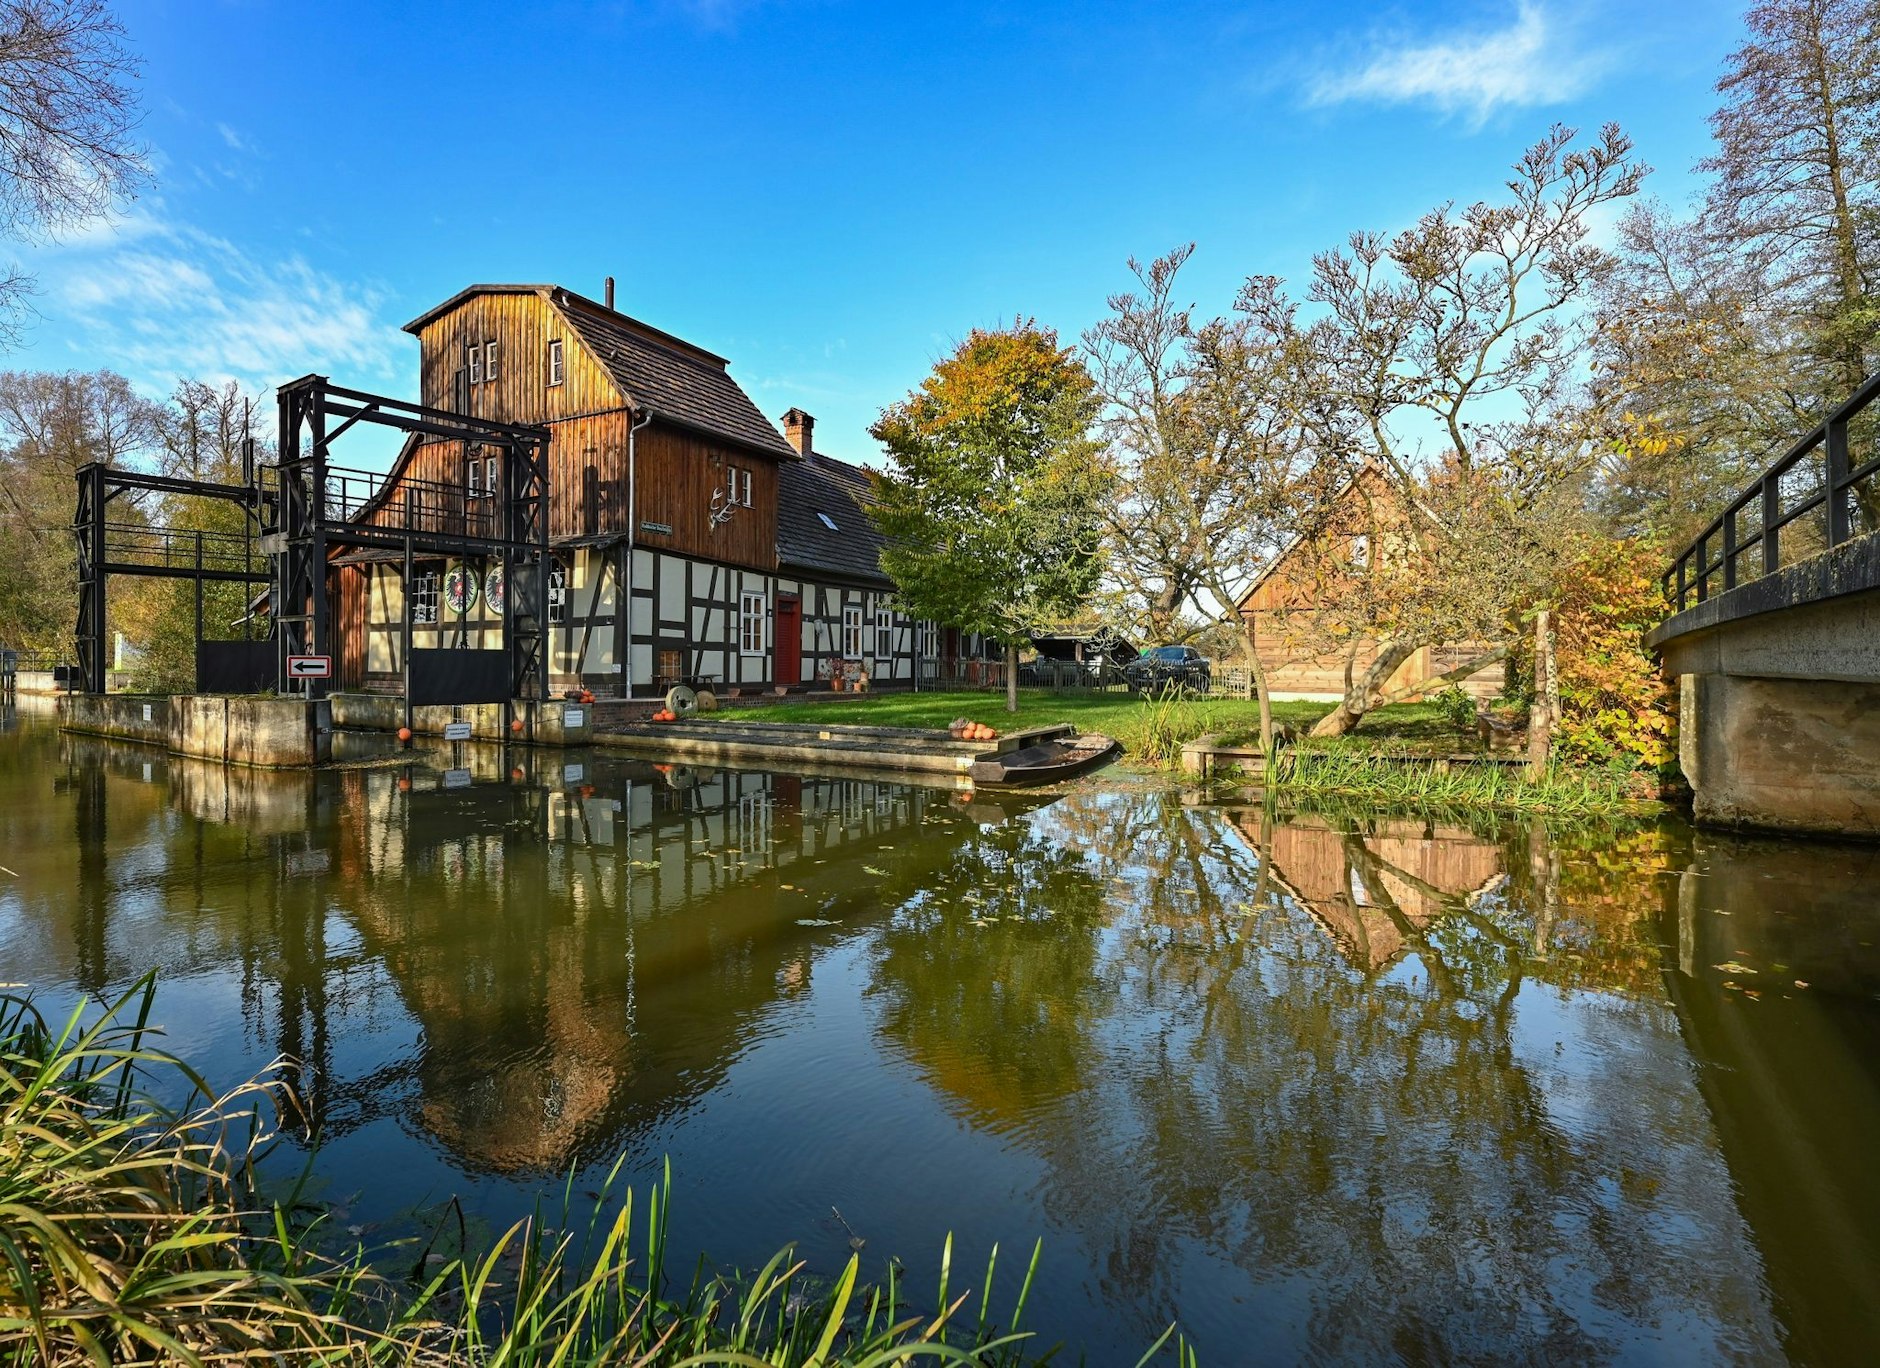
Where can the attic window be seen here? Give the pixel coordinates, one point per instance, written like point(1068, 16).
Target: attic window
point(554, 362)
point(828, 522)
point(489, 359)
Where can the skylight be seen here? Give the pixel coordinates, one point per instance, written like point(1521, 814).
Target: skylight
point(828, 522)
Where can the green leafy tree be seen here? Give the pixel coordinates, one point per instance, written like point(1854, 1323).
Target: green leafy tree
point(993, 505)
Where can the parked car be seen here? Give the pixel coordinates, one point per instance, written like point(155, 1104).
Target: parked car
point(1164, 665)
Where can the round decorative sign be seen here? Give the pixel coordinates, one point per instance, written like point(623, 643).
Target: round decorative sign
point(493, 590)
point(460, 589)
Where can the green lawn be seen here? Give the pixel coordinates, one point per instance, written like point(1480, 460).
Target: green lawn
point(1127, 717)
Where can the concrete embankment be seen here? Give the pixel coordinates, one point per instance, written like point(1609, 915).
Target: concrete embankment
point(269, 733)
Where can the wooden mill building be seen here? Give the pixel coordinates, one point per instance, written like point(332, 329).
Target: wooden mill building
point(691, 539)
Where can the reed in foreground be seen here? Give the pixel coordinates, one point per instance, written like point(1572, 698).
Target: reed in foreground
point(132, 1232)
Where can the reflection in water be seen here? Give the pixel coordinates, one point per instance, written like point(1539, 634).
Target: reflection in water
point(1329, 1086)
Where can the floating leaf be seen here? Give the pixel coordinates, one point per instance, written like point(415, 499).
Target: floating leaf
point(1732, 967)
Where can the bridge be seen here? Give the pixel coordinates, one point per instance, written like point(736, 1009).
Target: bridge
point(1774, 638)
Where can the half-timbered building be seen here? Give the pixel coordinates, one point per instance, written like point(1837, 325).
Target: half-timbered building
point(691, 540)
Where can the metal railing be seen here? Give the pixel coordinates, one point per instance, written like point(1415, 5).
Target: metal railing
point(1814, 497)
point(179, 548)
point(412, 505)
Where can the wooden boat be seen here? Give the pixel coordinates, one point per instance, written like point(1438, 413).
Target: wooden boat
point(1048, 762)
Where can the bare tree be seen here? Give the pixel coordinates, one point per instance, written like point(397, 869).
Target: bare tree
point(1217, 468)
point(1456, 351)
point(1797, 167)
point(68, 119)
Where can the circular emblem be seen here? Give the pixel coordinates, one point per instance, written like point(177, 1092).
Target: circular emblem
point(493, 590)
point(460, 589)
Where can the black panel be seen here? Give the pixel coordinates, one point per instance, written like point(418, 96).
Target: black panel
point(235, 667)
point(451, 675)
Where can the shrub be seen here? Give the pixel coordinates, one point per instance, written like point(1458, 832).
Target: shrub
point(1457, 706)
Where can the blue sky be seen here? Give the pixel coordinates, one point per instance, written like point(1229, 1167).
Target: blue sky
point(826, 192)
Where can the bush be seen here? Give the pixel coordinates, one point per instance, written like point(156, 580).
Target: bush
point(1457, 706)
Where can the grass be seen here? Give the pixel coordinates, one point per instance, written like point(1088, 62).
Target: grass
point(1425, 785)
point(131, 1232)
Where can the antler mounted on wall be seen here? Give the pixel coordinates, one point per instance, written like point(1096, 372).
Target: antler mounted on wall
point(721, 509)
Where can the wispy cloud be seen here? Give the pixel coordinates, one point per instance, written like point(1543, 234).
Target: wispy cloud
point(1532, 60)
point(163, 300)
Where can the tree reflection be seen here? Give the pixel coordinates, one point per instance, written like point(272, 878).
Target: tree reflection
point(1296, 1044)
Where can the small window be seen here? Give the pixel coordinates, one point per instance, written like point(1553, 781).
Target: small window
point(473, 477)
point(737, 486)
point(884, 633)
point(424, 599)
point(557, 591)
point(492, 474)
point(1361, 550)
point(852, 632)
point(751, 623)
point(828, 522)
point(929, 640)
point(476, 364)
point(489, 359)
point(745, 476)
point(554, 362)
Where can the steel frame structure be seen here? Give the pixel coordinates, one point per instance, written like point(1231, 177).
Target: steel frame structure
point(106, 548)
point(304, 508)
point(315, 515)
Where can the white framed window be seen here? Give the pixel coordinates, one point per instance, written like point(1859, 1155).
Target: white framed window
point(737, 485)
point(929, 640)
point(1361, 550)
point(476, 363)
point(555, 367)
point(473, 477)
point(745, 476)
point(492, 474)
point(424, 598)
point(489, 359)
point(751, 623)
point(852, 632)
point(884, 633)
point(557, 591)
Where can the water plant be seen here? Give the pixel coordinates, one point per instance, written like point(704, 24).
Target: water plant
point(1437, 784)
point(132, 1230)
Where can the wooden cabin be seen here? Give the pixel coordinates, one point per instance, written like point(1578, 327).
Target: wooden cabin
point(1303, 655)
point(692, 540)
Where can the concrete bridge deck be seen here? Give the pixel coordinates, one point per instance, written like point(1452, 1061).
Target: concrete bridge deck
point(1779, 674)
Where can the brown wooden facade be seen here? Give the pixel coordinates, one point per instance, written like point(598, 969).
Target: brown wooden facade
point(637, 417)
point(1302, 656)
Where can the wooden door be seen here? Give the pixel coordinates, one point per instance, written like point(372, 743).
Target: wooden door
point(787, 642)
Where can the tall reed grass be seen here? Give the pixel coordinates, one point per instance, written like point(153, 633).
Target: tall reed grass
point(132, 1232)
point(1430, 784)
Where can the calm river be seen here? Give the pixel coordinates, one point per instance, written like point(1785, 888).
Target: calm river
point(1328, 1087)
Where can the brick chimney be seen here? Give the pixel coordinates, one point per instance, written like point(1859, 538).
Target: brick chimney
point(797, 427)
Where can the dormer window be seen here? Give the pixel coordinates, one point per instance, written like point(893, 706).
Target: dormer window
point(828, 522)
point(554, 362)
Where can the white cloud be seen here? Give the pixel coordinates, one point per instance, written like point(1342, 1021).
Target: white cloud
point(1531, 61)
point(168, 300)
point(234, 139)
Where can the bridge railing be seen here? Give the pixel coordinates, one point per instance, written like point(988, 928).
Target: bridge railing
point(1821, 492)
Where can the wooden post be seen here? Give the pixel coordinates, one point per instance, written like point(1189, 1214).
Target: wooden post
point(1546, 705)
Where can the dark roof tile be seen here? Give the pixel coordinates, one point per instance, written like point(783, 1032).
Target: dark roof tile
point(824, 485)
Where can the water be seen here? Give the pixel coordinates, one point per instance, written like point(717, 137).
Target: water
point(1334, 1087)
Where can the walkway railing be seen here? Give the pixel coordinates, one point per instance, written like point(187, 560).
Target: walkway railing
point(1821, 492)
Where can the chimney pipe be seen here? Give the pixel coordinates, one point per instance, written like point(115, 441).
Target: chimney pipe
point(607, 293)
point(797, 429)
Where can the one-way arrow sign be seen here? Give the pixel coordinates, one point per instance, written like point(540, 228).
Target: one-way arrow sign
point(310, 667)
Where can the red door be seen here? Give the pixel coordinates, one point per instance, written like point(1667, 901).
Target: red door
point(787, 642)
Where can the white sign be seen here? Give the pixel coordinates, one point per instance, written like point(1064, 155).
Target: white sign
point(146, 712)
point(456, 778)
point(456, 731)
point(571, 774)
point(310, 667)
point(573, 717)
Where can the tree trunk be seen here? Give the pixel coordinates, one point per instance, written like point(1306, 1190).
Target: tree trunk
point(1359, 692)
point(1011, 678)
point(1545, 707)
point(1248, 648)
